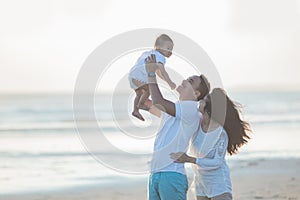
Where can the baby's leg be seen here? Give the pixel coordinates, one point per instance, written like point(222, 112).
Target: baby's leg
point(138, 84)
point(144, 97)
point(139, 92)
point(136, 113)
point(138, 95)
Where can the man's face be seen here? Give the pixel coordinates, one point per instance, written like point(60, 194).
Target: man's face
point(195, 82)
point(188, 89)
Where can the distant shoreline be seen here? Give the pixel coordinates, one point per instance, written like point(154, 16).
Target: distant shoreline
point(246, 89)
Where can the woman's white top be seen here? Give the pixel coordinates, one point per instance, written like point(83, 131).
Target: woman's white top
point(212, 176)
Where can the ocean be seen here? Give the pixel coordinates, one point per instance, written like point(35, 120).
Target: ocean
point(42, 148)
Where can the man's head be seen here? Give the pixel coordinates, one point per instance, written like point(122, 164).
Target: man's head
point(164, 44)
point(194, 88)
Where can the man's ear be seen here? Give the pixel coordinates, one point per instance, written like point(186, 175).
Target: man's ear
point(197, 93)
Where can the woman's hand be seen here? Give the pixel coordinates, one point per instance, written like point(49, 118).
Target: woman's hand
point(181, 157)
point(151, 65)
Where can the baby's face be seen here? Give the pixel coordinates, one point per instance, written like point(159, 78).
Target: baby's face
point(166, 48)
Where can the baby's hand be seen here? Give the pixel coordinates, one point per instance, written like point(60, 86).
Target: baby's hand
point(172, 85)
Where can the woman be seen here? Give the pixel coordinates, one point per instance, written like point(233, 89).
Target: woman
point(221, 129)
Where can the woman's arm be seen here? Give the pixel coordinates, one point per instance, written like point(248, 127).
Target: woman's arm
point(181, 157)
point(157, 98)
point(214, 161)
point(205, 163)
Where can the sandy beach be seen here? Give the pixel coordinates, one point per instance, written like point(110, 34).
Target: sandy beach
point(256, 179)
point(267, 179)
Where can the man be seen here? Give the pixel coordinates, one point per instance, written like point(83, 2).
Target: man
point(180, 120)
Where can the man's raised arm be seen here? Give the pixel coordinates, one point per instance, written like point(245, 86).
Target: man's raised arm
point(157, 99)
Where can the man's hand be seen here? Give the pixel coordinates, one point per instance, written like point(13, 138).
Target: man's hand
point(151, 65)
point(148, 103)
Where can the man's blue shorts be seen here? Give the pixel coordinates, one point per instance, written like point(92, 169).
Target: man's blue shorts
point(167, 186)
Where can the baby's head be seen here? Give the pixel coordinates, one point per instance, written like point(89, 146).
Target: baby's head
point(164, 45)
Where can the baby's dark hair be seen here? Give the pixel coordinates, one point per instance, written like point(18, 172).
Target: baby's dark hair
point(161, 39)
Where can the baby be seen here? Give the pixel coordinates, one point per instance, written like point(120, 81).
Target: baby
point(138, 77)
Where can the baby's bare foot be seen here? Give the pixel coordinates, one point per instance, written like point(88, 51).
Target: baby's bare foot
point(138, 115)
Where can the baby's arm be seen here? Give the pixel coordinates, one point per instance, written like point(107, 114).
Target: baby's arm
point(162, 73)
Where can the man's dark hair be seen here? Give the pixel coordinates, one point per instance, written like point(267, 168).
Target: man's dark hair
point(204, 87)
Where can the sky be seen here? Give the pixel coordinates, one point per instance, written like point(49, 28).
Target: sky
point(254, 44)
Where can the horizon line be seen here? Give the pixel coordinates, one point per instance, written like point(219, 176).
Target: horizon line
point(69, 92)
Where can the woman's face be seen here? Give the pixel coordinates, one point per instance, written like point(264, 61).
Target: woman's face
point(187, 89)
point(202, 104)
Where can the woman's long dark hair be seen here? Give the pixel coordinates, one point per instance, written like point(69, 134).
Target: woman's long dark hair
point(227, 113)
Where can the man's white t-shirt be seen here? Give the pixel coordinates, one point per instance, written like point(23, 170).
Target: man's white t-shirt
point(174, 136)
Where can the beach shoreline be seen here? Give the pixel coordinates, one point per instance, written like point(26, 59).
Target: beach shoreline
point(251, 179)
